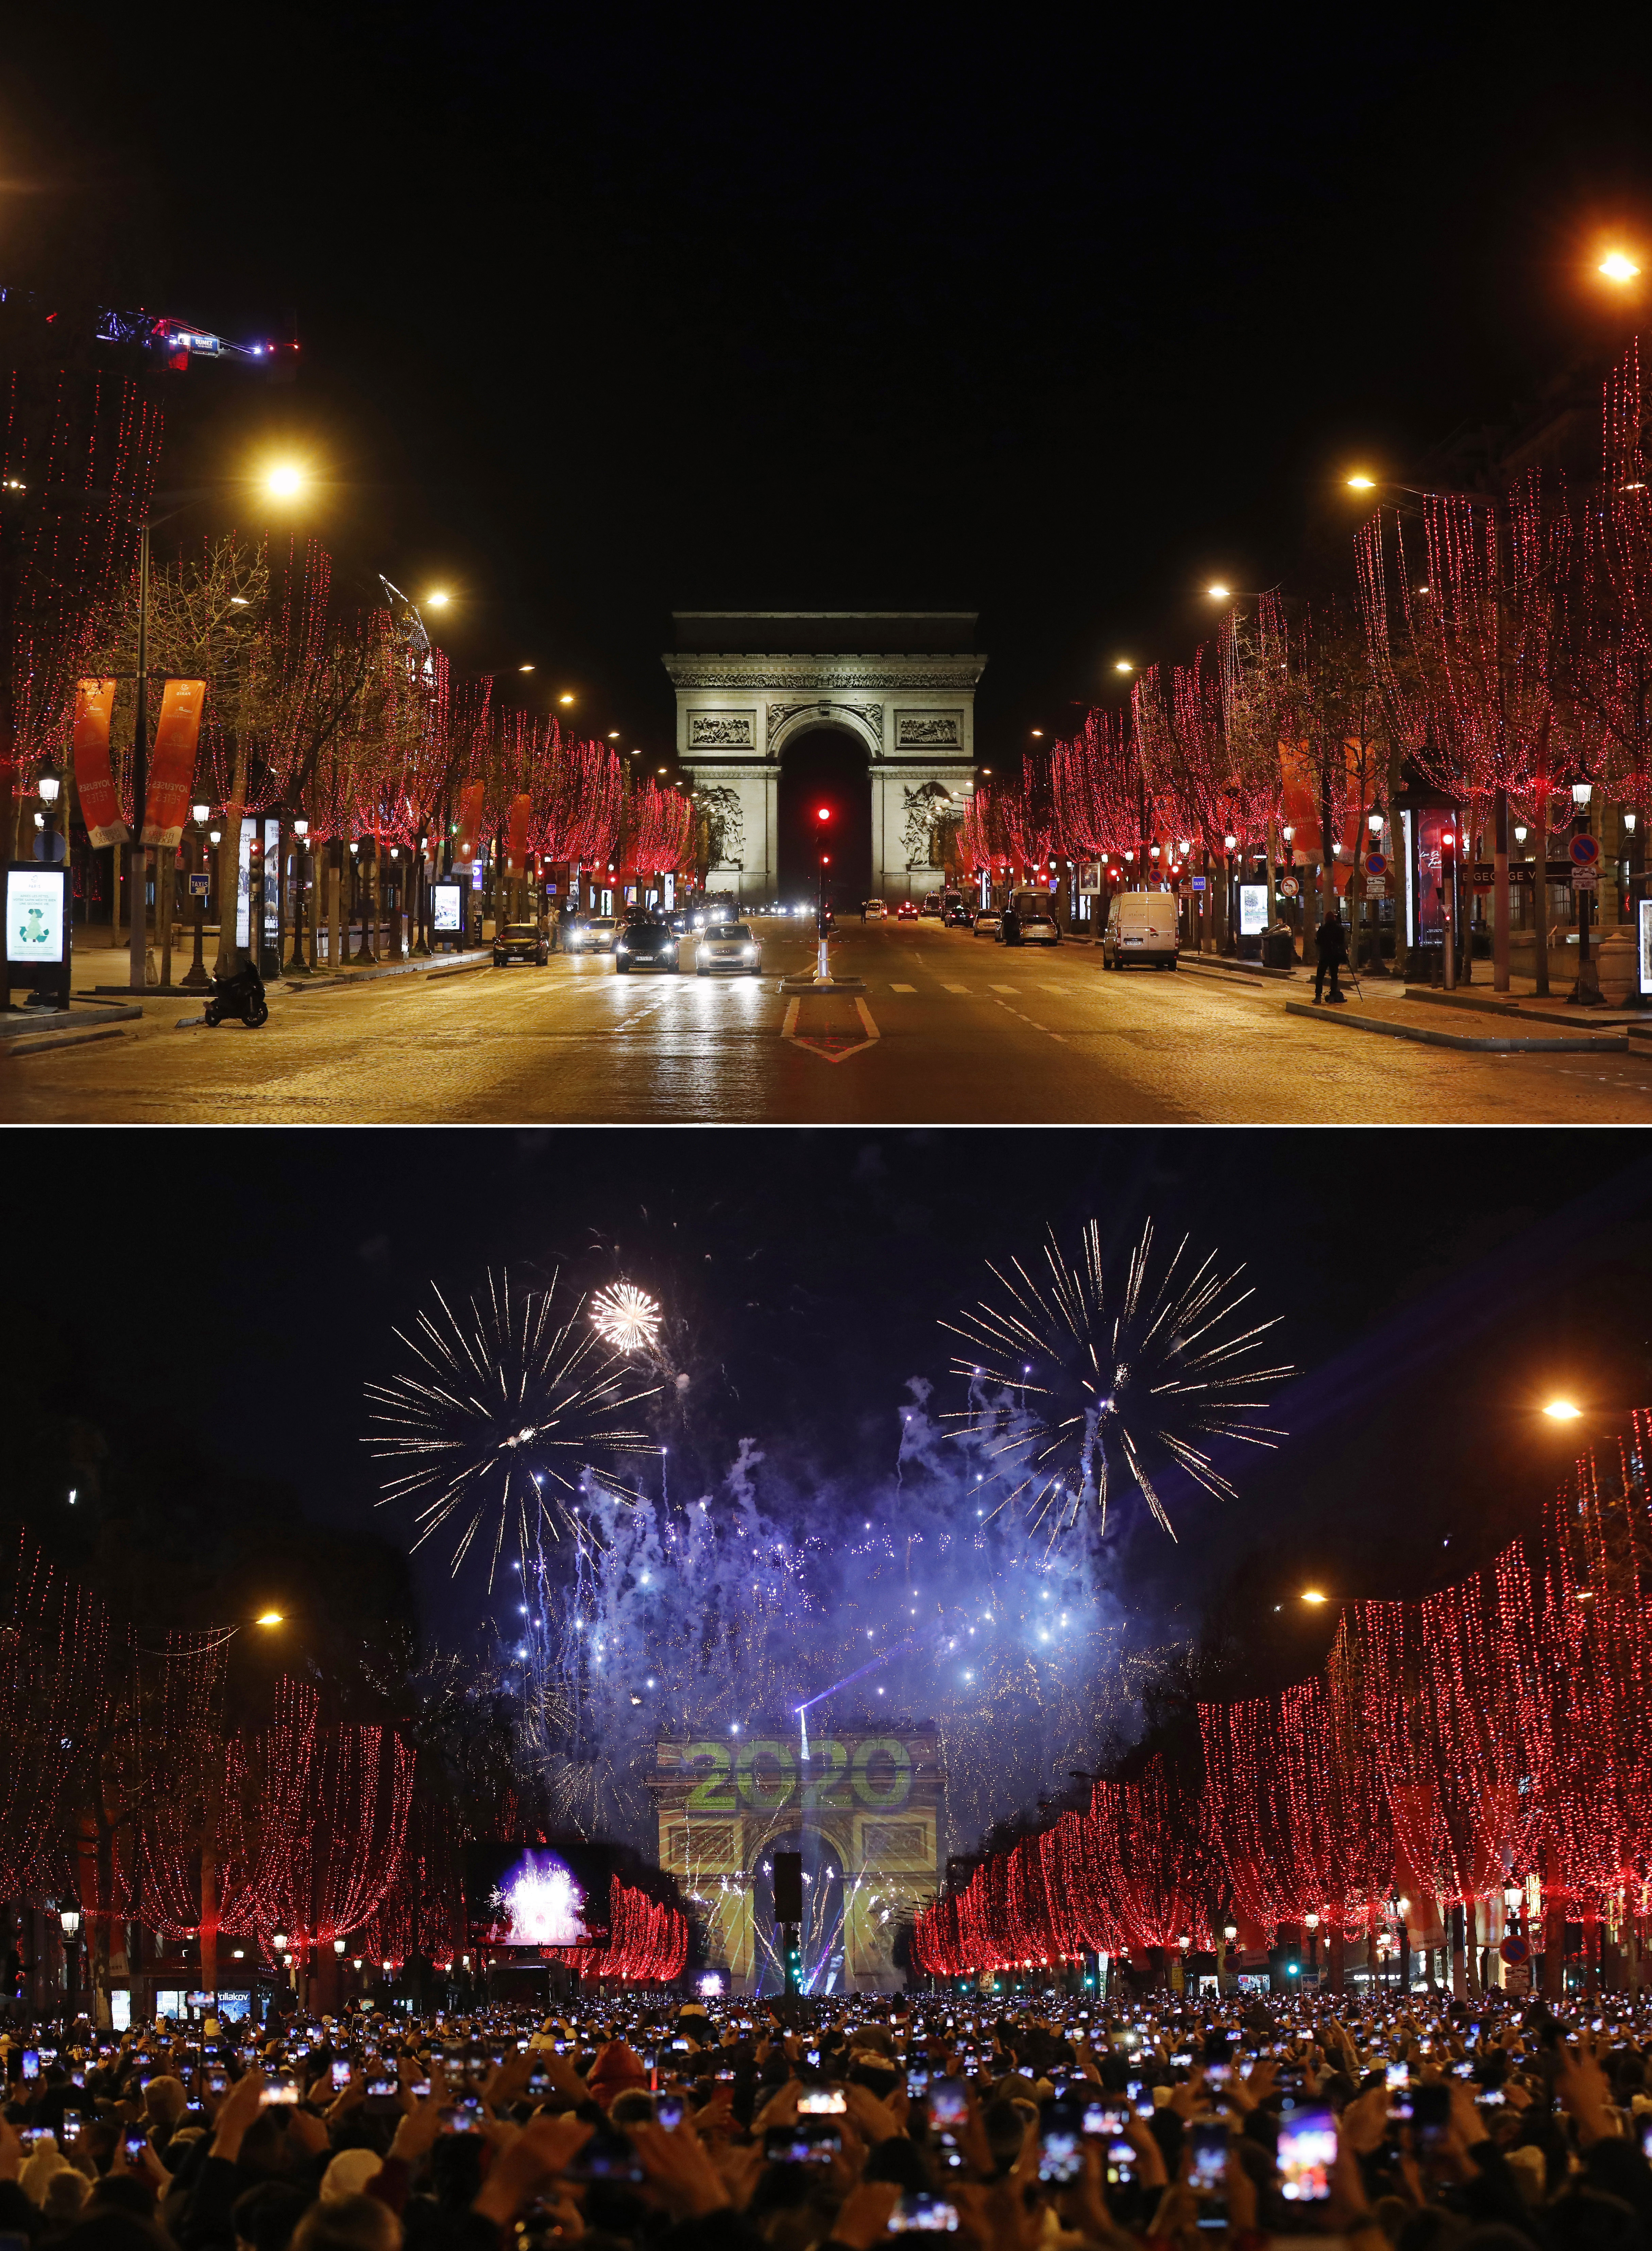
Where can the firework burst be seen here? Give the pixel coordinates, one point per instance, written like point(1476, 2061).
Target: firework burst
point(626, 1318)
point(490, 1428)
point(1074, 1381)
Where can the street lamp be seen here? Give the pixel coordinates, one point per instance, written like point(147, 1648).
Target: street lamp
point(1617, 266)
point(196, 975)
point(338, 1946)
point(297, 965)
point(1563, 1410)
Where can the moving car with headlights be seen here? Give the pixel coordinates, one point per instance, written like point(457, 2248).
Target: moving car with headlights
point(727, 945)
point(1141, 927)
point(520, 941)
point(988, 923)
point(593, 934)
point(906, 912)
point(646, 941)
point(955, 911)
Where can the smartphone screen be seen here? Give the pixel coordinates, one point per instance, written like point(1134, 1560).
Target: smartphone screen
point(820, 2101)
point(1208, 2179)
point(949, 2099)
point(919, 2212)
point(669, 2112)
point(1307, 2151)
point(341, 2072)
point(32, 2063)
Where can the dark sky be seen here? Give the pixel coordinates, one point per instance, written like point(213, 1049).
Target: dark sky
point(1054, 313)
point(1435, 1289)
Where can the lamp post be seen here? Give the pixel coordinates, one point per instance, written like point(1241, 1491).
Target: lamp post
point(1310, 1924)
point(1402, 1909)
point(70, 1918)
point(1586, 992)
point(49, 782)
point(298, 966)
point(196, 975)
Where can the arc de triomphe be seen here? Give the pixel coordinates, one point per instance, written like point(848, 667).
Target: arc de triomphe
point(899, 684)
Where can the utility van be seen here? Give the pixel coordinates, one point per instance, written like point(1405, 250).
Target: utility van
point(1141, 927)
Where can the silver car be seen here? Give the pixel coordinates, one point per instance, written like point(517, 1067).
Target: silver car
point(593, 934)
point(727, 945)
point(988, 923)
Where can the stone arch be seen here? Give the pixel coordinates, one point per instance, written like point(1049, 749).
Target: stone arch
point(825, 760)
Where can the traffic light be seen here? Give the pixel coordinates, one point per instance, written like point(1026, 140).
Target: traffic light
point(1447, 853)
point(823, 813)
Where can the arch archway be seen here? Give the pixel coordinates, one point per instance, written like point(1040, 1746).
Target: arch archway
point(824, 1895)
point(824, 764)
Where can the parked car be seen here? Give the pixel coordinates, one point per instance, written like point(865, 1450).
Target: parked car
point(1141, 927)
point(1029, 925)
point(874, 911)
point(906, 912)
point(593, 934)
point(727, 945)
point(520, 941)
point(646, 942)
point(988, 923)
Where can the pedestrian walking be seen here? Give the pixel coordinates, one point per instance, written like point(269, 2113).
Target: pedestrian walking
point(1330, 945)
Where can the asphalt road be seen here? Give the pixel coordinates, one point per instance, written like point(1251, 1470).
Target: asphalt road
point(950, 1029)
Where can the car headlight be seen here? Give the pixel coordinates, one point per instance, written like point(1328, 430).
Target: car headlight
point(622, 947)
point(751, 953)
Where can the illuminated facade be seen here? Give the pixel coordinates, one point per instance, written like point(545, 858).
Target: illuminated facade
point(864, 1808)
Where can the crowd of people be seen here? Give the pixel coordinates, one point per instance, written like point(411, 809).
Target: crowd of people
point(1031, 2124)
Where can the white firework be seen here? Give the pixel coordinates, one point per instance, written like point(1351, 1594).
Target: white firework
point(626, 1318)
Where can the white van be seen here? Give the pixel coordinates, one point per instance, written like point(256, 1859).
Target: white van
point(1141, 926)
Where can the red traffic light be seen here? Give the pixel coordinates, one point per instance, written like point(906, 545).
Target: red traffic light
point(823, 813)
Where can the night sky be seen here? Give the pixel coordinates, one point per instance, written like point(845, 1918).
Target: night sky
point(1054, 314)
point(1436, 1289)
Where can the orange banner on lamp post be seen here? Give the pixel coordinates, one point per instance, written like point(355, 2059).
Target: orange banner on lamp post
point(470, 823)
point(172, 761)
point(100, 807)
point(516, 834)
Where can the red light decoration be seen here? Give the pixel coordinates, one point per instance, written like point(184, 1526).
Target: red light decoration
point(1496, 1730)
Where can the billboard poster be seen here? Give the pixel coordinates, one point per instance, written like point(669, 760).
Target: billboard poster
point(36, 901)
point(272, 883)
point(447, 909)
point(1643, 943)
point(1252, 910)
point(244, 890)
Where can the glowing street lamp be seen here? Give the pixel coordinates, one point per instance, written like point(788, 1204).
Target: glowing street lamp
point(438, 600)
point(1360, 483)
point(1617, 266)
point(1219, 593)
point(285, 481)
point(1563, 1410)
point(1312, 1596)
point(1123, 664)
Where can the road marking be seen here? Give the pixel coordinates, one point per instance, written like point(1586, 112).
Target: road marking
point(816, 1043)
point(955, 988)
point(1055, 988)
point(1005, 988)
point(1061, 1037)
point(904, 988)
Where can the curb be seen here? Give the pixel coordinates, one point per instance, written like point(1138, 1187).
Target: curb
point(61, 1020)
point(68, 1040)
point(1605, 1043)
point(808, 984)
point(463, 969)
point(1617, 1019)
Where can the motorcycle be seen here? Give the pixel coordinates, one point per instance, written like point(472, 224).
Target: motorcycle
point(240, 996)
